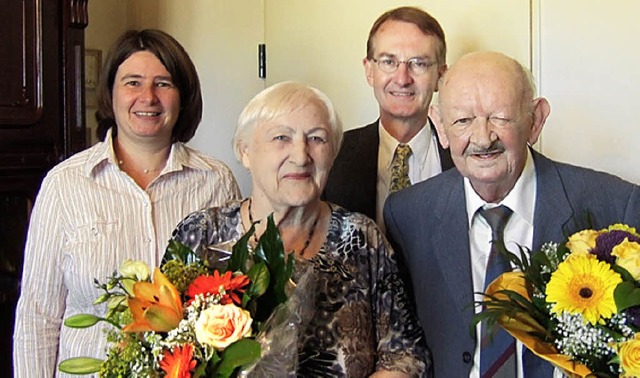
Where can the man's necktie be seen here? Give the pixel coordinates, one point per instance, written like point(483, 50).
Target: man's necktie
point(400, 169)
point(497, 348)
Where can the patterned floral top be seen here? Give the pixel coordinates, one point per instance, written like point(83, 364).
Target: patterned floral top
point(363, 321)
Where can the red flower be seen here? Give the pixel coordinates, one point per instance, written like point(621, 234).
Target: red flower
point(227, 287)
point(178, 363)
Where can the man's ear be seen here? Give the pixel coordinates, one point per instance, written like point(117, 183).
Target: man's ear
point(541, 110)
point(441, 70)
point(368, 70)
point(434, 115)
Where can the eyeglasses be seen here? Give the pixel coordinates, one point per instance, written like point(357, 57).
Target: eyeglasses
point(416, 66)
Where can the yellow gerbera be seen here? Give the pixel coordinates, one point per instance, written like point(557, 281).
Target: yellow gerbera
point(583, 285)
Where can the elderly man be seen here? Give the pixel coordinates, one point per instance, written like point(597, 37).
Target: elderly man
point(488, 117)
point(405, 58)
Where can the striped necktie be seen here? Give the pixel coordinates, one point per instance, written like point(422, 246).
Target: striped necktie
point(497, 348)
point(400, 168)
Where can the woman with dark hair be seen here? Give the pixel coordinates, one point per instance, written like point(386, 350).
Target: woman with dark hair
point(115, 201)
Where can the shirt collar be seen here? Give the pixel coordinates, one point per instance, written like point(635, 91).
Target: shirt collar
point(101, 156)
point(180, 157)
point(521, 199)
point(419, 145)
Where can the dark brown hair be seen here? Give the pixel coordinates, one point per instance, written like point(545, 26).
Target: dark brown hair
point(423, 20)
point(176, 61)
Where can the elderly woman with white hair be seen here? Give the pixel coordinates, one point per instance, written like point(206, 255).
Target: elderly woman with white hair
point(288, 137)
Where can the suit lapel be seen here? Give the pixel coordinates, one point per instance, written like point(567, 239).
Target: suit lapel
point(452, 252)
point(553, 210)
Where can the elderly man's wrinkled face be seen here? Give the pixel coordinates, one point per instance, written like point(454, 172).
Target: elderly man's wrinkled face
point(487, 119)
point(290, 157)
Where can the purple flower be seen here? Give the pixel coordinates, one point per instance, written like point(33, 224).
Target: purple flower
point(634, 315)
point(607, 241)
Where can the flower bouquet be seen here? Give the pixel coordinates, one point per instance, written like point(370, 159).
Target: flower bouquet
point(193, 319)
point(576, 304)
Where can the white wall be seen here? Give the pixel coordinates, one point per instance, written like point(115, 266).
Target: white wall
point(587, 63)
point(322, 42)
point(221, 37)
point(107, 20)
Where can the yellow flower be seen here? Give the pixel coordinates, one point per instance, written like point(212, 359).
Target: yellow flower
point(583, 285)
point(623, 227)
point(629, 353)
point(628, 256)
point(221, 325)
point(582, 242)
point(156, 306)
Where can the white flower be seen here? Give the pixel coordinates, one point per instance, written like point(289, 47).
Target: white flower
point(135, 269)
point(132, 272)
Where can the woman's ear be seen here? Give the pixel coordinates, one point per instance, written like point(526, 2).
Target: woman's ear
point(244, 154)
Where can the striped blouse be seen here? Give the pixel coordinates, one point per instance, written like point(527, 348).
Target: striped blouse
point(88, 218)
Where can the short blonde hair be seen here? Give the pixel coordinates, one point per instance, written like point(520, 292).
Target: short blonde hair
point(280, 99)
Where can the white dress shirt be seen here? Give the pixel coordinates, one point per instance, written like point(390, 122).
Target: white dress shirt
point(424, 162)
point(518, 232)
point(88, 218)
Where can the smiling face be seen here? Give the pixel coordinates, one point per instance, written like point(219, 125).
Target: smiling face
point(290, 157)
point(146, 103)
point(487, 117)
point(401, 94)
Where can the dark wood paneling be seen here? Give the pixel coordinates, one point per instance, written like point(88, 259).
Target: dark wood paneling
point(20, 99)
point(41, 123)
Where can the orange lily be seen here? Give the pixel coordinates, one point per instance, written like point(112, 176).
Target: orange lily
point(155, 306)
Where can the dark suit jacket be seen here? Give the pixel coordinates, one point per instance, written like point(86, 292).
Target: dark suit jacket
point(353, 178)
point(427, 224)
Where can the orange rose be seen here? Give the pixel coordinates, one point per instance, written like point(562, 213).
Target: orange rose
point(629, 353)
point(221, 325)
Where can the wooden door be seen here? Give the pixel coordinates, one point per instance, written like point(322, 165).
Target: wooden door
point(41, 123)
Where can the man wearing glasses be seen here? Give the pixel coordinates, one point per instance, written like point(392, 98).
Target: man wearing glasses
point(406, 55)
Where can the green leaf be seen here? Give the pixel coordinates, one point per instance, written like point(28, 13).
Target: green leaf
point(242, 352)
point(240, 252)
point(259, 276)
point(80, 365)
point(279, 265)
point(200, 371)
point(626, 295)
point(178, 251)
point(83, 321)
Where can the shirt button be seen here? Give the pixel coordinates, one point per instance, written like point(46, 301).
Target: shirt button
point(466, 357)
